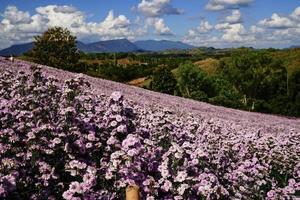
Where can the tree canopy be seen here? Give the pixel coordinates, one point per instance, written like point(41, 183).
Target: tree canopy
point(163, 81)
point(57, 48)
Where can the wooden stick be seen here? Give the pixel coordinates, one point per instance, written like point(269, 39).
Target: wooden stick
point(132, 192)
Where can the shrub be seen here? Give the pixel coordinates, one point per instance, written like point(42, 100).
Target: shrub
point(163, 81)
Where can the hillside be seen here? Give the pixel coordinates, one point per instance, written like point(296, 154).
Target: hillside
point(17, 50)
point(209, 65)
point(162, 45)
point(122, 45)
point(95, 138)
point(142, 97)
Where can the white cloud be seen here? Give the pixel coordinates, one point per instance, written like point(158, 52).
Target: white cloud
point(157, 8)
point(159, 26)
point(230, 32)
point(275, 31)
point(14, 16)
point(236, 33)
point(153, 12)
point(296, 14)
point(255, 29)
point(214, 6)
point(279, 29)
point(217, 5)
point(222, 26)
point(112, 27)
point(64, 16)
point(18, 26)
point(235, 17)
point(203, 28)
point(278, 22)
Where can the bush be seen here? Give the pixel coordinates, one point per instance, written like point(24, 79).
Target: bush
point(192, 82)
point(163, 81)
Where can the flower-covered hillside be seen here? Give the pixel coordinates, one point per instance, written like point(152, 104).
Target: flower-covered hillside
point(148, 98)
point(63, 139)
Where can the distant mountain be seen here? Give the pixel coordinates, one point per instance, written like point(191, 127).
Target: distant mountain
point(294, 47)
point(162, 45)
point(17, 49)
point(120, 45)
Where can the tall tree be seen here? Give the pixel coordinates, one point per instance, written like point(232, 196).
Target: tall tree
point(163, 81)
point(56, 47)
point(192, 82)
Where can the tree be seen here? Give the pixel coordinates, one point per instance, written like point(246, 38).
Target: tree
point(256, 74)
point(295, 93)
point(163, 81)
point(294, 85)
point(193, 82)
point(224, 93)
point(56, 48)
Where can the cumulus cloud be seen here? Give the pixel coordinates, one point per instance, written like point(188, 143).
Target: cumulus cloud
point(157, 8)
point(236, 33)
point(159, 26)
point(203, 28)
point(296, 14)
point(229, 31)
point(19, 26)
point(255, 29)
point(111, 25)
point(222, 26)
point(13, 16)
point(153, 12)
point(217, 5)
point(278, 22)
point(283, 28)
point(275, 31)
point(235, 17)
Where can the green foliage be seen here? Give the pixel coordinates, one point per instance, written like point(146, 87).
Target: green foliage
point(294, 93)
point(294, 85)
point(163, 81)
point(260, 77)
point(224, 93)
point(256, 74)
point(56, 48)
point(192, 82)
point(120, 73)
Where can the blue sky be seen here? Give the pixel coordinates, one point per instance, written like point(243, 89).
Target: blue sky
point(219, 23)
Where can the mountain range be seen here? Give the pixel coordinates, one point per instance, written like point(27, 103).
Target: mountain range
point(119, 45)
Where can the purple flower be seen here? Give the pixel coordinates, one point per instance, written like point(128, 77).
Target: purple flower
point(113, 123)
point(116, 96)
point(181, 176)
point(74, 187)
point(68, 195)
point(167, 185)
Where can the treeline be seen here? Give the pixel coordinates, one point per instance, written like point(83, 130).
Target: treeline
point(252, 80)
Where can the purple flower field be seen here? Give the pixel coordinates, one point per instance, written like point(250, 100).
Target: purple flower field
point(70, 136)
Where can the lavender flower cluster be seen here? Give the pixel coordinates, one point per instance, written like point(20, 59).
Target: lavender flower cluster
point(61, 141)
